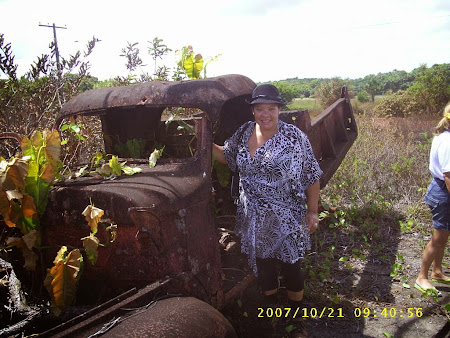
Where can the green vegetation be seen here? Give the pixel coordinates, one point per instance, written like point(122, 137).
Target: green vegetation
point(423, 90)
point(373, 199)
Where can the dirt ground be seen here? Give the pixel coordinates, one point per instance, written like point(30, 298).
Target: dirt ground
point(360, 297)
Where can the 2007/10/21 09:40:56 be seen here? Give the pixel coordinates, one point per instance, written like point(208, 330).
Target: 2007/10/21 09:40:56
point(388, 312)
point(338, 313)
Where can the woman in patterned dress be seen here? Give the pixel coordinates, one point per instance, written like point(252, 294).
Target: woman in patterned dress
point(278, 194)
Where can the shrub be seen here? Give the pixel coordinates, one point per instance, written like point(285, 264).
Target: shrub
point(363, 96)
point(400, 104)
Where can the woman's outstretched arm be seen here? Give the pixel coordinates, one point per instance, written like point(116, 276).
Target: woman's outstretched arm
point(218, 153)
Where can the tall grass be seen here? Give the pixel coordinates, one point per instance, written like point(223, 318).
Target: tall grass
point(386, 169)
point(374, 197)
point(310, 104)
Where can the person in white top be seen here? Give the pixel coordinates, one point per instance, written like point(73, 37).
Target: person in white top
point(438, 199)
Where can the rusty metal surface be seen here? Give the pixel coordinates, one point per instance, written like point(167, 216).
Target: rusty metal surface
point(15, 136)
point(206, 94)
point(108, 310)
point(331, 133)
point(171, 317)
point(162, 214)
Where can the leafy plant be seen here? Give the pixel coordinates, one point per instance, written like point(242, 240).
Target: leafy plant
point(75, 128)
point(155, 155)
point(44, 150)
point(131, 53)
point(25, 185)
point(363, 96)
point(62, 279)
point(192, 64)
point(158, 50)
point(114, 167)
point(133, 148)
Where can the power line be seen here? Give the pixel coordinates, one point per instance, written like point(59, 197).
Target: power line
point(394, 22)
point(56, 43)
point(58, 65)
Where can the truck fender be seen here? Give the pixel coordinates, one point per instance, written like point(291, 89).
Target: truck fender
point(174, 317)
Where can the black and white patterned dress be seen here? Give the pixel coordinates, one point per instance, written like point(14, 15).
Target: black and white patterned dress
point(271, 208)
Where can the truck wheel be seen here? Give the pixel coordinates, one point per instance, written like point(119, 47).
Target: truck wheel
point(175, 317)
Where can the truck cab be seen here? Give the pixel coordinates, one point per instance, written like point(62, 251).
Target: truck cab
point(170, 233)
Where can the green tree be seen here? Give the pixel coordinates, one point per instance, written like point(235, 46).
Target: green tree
point(158, 50)
point(432, 87)
point(329, 91)
point(288, 90)
point(131, 53)
point(373, 87)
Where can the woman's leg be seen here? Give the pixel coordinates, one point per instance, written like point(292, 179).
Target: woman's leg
point(434, 252)
point(268, 279)
point(294, 285)
point(437, 272)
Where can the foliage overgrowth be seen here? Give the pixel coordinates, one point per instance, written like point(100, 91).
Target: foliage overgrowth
point(377, 187)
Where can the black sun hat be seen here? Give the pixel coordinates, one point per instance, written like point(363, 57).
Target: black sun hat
point(267, 93)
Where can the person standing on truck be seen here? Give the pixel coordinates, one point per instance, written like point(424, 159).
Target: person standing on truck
point(438, 199)
point(277, 207)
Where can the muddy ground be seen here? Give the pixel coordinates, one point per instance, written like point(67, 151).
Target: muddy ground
point(371, 294)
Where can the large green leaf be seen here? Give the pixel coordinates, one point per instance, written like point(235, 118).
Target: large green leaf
point(37, 188)
point(44, 152)
point(198, 66)
point(116, 168)
point(190, 64)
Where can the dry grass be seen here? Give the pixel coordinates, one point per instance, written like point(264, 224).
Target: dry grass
point(387, 167)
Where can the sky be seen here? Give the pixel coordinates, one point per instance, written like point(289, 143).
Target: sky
point(266, 40)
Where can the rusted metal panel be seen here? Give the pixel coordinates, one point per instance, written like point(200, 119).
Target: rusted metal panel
point(206, 94)
point(162, 215)
point(331, 134)
point(170, 317)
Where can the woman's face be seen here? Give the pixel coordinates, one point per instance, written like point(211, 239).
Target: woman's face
point(266, 115)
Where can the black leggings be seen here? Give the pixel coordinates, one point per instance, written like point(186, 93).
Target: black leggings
point(268, 274)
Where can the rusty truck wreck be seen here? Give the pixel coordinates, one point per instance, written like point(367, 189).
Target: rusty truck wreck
point(168, 226)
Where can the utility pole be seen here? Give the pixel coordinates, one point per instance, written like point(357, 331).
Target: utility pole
point(58, 65)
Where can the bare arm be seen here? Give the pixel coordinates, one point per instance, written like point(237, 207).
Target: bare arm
point(218, 153)
point(312, 201)
point(447, 180)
